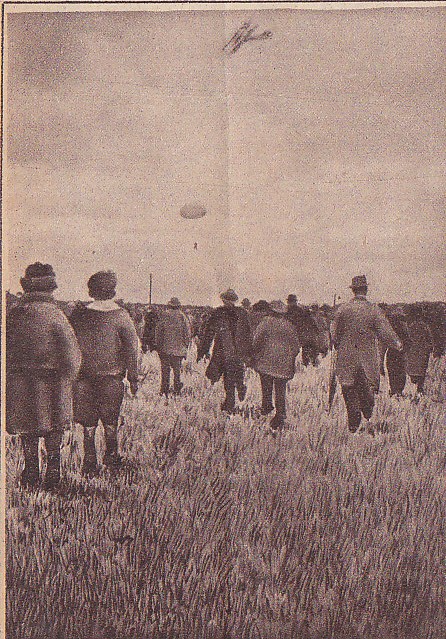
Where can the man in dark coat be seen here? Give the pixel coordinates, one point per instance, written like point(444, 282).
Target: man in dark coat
point(396, 360)
point(420, 347)
point(109, 344)
point(306, 327)
point(172, 339)
point(228, 327)
point(357, 328)
point(42, 360)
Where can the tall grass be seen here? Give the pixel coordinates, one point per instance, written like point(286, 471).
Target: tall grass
point(215, 529)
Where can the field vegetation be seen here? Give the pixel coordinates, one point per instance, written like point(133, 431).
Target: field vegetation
point(215, 529)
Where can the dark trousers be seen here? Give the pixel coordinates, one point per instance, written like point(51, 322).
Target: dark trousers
point(419, 381)
point(233, 379)
point(279, 385)
point(396, 368)
point(169, 362)
point(359, 400)
point(31, 472)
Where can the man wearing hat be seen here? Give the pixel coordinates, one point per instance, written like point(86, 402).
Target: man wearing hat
point(172, 339)
point(229, 329)
point(42, 360)
point(357, 329)
point(275, 347)
point(109, 344)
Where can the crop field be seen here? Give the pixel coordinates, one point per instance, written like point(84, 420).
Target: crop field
point(215, 529)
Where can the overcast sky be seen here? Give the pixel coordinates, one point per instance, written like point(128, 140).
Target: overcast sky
point(319, 154)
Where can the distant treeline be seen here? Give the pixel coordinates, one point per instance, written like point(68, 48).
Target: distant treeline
point(434, 313)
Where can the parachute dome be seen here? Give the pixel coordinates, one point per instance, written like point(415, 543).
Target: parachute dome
point(193, 211)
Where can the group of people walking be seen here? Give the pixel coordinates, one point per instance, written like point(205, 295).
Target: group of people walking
point(61, 370)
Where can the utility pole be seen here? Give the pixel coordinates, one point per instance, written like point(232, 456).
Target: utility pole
point(150, 288)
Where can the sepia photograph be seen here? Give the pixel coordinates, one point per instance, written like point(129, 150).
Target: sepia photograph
point(224, 320)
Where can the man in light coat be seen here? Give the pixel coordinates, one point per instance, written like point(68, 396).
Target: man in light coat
point(275, 348)
point(357, 328)
point(172, 338)
point(42, 361)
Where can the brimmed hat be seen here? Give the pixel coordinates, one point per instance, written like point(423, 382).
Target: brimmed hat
point(277, 306)
point(102, 285)
point(359, 281)
point(174, 302)
point(39, 278)
point(230, 295)
point(291, 299)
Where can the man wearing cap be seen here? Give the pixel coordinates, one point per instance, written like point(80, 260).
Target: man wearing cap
point(228, 327)
point(42, 360)
point(357, 328)
point(109, 344)
point(275, 347)
point(172, 339)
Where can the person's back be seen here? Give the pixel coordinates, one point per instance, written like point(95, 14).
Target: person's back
point(228, 328)
point(107, 339)
point(42, 358)
point(356, 330)
point(276, 346)
point(173, 333)
point(109, 343)
point(35, 331)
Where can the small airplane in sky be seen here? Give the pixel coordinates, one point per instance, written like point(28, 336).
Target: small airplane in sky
point(245, 34)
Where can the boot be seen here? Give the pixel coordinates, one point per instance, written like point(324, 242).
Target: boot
point(90, 466)
point(112, 459)
point(31, 475)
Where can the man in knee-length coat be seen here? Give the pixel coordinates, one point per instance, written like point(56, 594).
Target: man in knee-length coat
point(42, 361)
point(357, 328)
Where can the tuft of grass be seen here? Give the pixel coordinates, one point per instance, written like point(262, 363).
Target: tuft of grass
point(214, 529)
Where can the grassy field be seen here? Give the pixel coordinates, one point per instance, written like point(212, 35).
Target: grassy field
point(216, 529)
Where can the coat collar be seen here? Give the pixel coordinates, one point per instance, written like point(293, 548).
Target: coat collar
point(362, 298)
point(38, 296)
point(103, 305)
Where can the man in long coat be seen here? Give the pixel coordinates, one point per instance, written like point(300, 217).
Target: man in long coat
point(109, 345)
point(228, 327)
point(42, 360)
point(172, 339)
point(275, 348)
point(357, 328)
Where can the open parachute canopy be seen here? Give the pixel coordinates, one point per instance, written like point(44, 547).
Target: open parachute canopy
point(193, 211)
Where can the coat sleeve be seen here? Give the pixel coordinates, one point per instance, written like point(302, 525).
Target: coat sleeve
point(68, 348)
point(384, 331)
point(207, 338)
point(129, 341)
